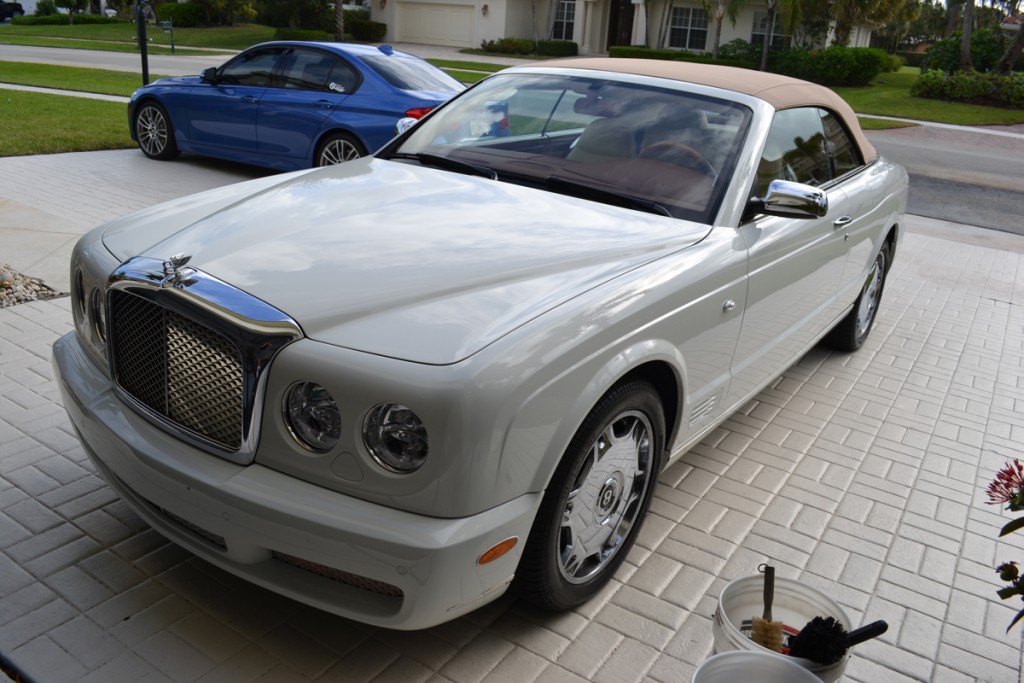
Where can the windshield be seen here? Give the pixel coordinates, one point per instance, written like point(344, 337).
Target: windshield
point(657, 149)
point(410, 73)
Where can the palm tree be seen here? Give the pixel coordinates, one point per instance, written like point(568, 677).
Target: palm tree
point(339, 21)
point(790, 11)
point(721, 9)
point(965, 37)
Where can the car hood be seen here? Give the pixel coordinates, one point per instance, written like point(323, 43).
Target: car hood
point(400, 260)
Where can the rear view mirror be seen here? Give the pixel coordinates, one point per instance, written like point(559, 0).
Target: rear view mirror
point(405, 124)
point(209, 75)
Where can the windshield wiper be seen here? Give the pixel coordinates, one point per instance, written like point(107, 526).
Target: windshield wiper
point(438, 161)
point(584, 191)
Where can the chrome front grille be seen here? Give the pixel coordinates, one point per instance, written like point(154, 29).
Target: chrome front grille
point(178, 368)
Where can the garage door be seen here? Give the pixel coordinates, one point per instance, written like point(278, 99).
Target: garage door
point(435, 24)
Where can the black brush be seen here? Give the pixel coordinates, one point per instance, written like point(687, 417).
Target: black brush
point(825, 641)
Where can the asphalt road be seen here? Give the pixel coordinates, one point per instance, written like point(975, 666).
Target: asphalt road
point(961, 175)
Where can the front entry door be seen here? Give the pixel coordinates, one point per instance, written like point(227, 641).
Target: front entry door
point(620, 23)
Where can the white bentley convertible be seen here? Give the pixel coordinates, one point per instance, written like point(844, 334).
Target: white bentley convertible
point(396, 387)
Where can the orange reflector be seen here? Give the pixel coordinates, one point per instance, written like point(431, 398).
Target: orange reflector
point(498, 550)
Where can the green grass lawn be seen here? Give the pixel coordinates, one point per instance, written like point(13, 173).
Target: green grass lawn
point(72, 78)
point(889, 95)
point(35, 123)
point(229, 38)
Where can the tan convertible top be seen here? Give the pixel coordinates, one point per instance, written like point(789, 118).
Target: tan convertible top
point(782, 92)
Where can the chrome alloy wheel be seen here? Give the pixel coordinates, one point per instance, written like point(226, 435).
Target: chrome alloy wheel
point(870, 296)
point(605, 500)
point(152, 131)
point(338, 150)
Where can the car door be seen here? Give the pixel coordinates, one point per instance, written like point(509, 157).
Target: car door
point(223, 114)
point(312, 85)
point(795, 265)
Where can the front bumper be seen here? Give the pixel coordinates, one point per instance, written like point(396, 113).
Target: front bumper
point(347, 556)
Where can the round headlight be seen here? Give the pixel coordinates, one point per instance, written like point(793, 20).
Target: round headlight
point(396, 437)
point(313, 416)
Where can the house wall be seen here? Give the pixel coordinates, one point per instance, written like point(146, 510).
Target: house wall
point(467, 23)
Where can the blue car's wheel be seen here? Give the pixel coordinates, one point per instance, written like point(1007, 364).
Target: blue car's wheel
point(337, 148)
point(154, 132)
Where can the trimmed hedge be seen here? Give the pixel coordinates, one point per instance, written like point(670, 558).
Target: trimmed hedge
point(508, 46)
point(557, 48)
point(63, 20)
point(971, 86)
point(303, 34)
point(181, 14)
point(635, 52)
point(835, 65)
point(367, 31)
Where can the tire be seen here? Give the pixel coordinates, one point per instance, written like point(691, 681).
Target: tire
point(337, 148)
point(850, 333)
point(597, 500)
point(154, 132)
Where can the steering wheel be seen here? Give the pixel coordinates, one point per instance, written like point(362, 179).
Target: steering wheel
point(680, 154)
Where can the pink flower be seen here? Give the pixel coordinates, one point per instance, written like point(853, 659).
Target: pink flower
point(1008, 484)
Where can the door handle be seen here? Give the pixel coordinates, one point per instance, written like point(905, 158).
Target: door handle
point(249, 99)
point(325, 104)
point(841, 222)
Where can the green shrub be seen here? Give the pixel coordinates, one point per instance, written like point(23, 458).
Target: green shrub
point(896, 63)
point(366, 30)
point(741, 51)
point(557, 48)
point(46, 8)
point(302, 34)
point(834, 65)
point(508, 46)
point(181, 14)
point(987, 46)
point(971, 86)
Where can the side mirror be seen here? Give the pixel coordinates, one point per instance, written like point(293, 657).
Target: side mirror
point(792, 200)
point(209, 75)
point(405, 124)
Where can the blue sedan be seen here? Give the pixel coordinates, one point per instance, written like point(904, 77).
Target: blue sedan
point(288, 105)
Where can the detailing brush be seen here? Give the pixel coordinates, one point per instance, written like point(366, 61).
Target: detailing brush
point(825, 641)
point(765, 632)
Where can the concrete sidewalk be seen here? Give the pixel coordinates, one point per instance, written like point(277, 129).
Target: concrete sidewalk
point(862, 475)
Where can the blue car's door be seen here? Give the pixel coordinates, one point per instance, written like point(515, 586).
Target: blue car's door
point(223, 114)
point(311, 86)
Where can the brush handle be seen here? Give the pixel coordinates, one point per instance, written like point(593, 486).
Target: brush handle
point(769, 591)
point(872, 630)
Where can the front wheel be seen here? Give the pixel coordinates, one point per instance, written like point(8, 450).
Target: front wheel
point(154, 132)
point(597, 500)
point(338, 148)
point(852, 330)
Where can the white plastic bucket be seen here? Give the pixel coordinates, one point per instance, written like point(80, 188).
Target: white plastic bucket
point(794, 605)
point(748, 666)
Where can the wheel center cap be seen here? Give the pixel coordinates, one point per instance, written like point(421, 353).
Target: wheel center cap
point(608, 497)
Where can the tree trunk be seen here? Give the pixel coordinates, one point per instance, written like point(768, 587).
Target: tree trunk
point(719, 15)
point(1013, 51)
point(339, 21)
point(965, 37)
point(769, 23)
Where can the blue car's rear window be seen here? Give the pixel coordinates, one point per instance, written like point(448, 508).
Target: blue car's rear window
point(408, 73)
